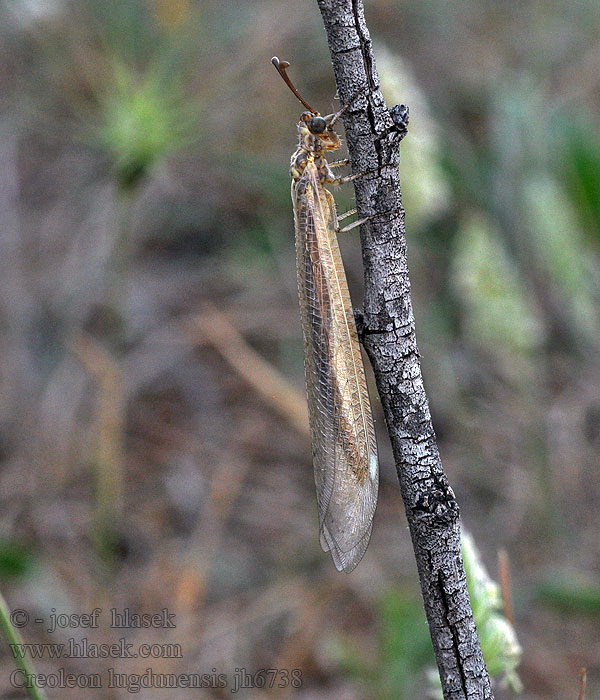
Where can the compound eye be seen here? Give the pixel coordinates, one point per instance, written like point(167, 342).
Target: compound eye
point(317, 125)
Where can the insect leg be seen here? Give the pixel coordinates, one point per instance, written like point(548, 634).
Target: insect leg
point(350, 212)
point(349, 178)
point(358, 222)
point(339, 163)
point(354, 224)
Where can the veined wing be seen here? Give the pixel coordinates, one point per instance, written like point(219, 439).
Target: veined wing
point(343, 437)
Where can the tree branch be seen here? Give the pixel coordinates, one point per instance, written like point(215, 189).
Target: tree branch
point(373, 134)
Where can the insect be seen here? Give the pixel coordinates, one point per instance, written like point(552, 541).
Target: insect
point(343, 437)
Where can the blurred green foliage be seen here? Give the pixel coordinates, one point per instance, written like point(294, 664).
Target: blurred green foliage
point(395, 669)
point(579, 167)
point(16, 559)
point(499, 644)
point(117, 77)
point(571, 594)
point(141, 120)
point(496, 309)
point(404, 644)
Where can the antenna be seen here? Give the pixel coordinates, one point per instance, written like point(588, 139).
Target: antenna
point(334, 117)
point(281, 68)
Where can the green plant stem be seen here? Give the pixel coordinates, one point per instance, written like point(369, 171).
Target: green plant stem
point(13, 637)
point(121, 254)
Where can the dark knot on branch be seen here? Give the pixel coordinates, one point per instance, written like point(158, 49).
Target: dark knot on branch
point(400, 115)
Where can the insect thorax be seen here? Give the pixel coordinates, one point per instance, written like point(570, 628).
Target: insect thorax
point(311, 148)
point(301, 158)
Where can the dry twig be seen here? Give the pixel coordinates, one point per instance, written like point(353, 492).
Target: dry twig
point(504, 571)
point(213, 327)
point(373, 133)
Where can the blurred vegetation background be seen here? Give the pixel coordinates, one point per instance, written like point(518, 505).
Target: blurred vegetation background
point(153, 449)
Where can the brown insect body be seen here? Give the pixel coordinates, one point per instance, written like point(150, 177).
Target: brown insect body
point(343, 437)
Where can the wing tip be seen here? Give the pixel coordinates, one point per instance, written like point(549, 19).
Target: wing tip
point(345, 561)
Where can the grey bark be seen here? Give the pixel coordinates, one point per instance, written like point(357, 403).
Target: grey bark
point(388, 332)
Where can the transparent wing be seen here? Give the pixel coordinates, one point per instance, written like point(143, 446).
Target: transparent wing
point(343, 437)
point(315, 308)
